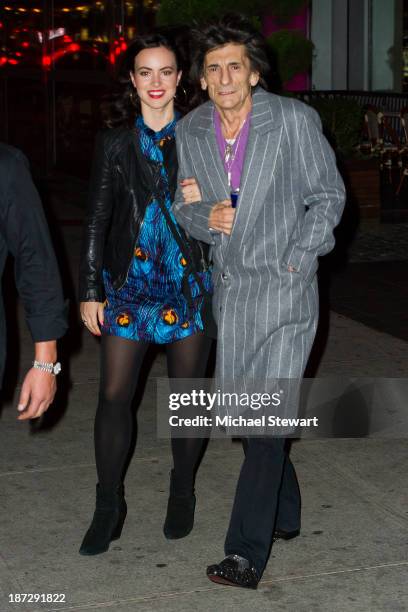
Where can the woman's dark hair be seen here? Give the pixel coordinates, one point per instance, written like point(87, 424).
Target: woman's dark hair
point(122, 107)
point(231, 28)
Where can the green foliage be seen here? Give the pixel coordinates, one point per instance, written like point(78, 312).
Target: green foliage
point(293, 52)
point(187, 12)
point(342, 122)
point(177, 12)
point(284, 10)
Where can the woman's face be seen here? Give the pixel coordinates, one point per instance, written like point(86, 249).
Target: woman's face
point(155, 77)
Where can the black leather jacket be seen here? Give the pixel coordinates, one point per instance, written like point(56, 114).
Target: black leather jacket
point(119, 191)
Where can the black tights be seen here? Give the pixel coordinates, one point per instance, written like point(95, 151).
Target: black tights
point(121, 360)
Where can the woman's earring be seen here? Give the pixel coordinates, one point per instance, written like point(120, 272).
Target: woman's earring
point(133, 97)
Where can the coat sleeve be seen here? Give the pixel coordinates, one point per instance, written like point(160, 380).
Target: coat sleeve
point(97, 219)
point(322, 192)
point(27, 238)
point(192, 217)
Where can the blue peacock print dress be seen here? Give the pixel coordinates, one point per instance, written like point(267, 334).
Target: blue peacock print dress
point(151, 306)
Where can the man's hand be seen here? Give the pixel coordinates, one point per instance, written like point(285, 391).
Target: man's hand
point(190, 190)
point(92, 316)
point(37, 394)
point(222, 217)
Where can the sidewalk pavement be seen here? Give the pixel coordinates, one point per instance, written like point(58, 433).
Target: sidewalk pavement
point(352, 552)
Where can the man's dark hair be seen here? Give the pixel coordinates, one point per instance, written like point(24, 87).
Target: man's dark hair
point(231, 28)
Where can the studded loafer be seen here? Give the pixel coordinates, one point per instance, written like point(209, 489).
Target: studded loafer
point(234, 571)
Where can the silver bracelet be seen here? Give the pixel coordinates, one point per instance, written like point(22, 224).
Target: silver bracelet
point(51, 368)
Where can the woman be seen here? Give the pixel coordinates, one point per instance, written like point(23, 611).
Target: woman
point(137, 286)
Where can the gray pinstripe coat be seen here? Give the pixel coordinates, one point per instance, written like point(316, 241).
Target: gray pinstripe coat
point(291, 198)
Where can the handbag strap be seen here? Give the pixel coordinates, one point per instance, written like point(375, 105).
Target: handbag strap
point(181, 243)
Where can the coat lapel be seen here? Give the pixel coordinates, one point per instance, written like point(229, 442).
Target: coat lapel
point(260, 158)
point(205, 152)
point(216, 171)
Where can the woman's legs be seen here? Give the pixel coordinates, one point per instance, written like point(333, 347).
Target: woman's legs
point(187, 359)
point(121, 360)
point(120, 364)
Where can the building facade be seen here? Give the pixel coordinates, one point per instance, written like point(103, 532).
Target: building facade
point(58, 57)
point(360, 45)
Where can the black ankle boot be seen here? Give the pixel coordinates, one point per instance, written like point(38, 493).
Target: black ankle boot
point(180, 512)
point(107, 522)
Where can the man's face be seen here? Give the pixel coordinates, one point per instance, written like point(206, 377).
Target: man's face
point(228, 76)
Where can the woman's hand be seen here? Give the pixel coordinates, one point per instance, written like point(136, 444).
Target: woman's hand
point(92, 316)
point(191, 191)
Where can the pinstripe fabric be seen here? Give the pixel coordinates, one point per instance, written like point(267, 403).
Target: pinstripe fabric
point(291, 199)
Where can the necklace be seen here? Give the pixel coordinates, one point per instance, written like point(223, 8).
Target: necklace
point(231, 148)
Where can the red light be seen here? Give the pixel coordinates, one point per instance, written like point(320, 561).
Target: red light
point(25, 45)
point(47, 59)
point(13, 62)
point(123, 46)
point(3, 61)
point(67, 39)
point(112, 58)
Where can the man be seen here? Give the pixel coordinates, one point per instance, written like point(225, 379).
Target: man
point(24, 232)
point(270, 151)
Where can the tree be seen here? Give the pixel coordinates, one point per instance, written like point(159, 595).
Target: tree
point(186, 12)
point(293, 52)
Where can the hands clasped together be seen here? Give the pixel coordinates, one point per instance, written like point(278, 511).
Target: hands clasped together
point(222, 214)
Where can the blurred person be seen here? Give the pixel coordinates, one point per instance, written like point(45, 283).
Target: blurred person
point(270, 199)
point(24, 233)
point(142, 281)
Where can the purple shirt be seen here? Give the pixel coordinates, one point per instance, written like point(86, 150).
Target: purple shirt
point(241, 141)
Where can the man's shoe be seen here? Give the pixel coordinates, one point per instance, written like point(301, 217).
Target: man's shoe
point(179, 519)
point(234, 571)
point(279, 534)
point(107, 522)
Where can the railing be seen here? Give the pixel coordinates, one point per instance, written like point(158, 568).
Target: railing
point(383, 191)
point(388, 102)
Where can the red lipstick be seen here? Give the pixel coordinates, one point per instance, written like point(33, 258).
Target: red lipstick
point(156, 93)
